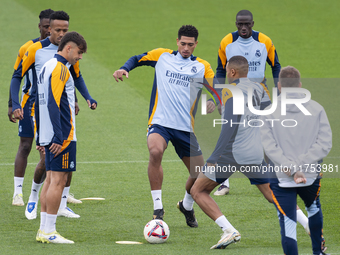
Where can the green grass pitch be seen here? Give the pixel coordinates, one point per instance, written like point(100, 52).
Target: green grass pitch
point(112, 154)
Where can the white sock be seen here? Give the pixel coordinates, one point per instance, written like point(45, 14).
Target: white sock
point(301, 218)
point(188, 202)
point(224, 223)
point(18, 182)
point(157, 199)
point(34, 197)
point(50, 223)
point(42, 220)
point(226, 183)
point(64, 196)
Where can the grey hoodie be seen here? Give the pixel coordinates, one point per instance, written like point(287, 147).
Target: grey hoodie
point(300, 146)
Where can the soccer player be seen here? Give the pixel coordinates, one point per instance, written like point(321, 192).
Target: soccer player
point(238, 148)
point(56, 130)
point(298, 150)
point(26, 125)
point(258, 49)
point(172, 111)
point(35, 57)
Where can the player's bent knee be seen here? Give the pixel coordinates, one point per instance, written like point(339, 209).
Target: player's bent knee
point(156, 153)
point(25, 146)
point(194, 192)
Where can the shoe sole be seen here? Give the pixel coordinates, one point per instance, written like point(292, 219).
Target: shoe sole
point(31, 218)
point(68, 216)
point(74, 202)
point(225, 244)
point(220, 194)
point(44, 240)
point(18, 204)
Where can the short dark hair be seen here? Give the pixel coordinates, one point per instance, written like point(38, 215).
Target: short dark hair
point(59, 15)
point(239, 63)
point(73, 37)
point(45, 14)
point(289, 77)
point(244, 13)
point(189, 31)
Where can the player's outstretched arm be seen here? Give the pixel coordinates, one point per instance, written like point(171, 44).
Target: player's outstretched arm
point(119, 74)
point(81, 86)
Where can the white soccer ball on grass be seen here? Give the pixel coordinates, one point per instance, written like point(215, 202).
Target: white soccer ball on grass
point(156, 231)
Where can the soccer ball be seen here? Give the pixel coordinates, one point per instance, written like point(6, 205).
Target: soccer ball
point(156, 231)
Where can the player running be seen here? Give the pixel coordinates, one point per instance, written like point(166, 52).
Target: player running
point(238, 148)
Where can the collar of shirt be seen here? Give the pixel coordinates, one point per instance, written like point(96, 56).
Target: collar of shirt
point(61, 59)
point(245, 40)
point(179, 57)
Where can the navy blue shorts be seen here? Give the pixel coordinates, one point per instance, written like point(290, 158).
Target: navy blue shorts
point(64, 162)
point(26, 125)
point(185, 143)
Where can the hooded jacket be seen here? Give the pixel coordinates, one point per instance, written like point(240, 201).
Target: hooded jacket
point(295, 140)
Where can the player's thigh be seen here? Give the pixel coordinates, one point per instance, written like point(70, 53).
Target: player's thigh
point(186, 144)
point(59, 178)
point(203, 184)
point(194, 164)
point(157, 139)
